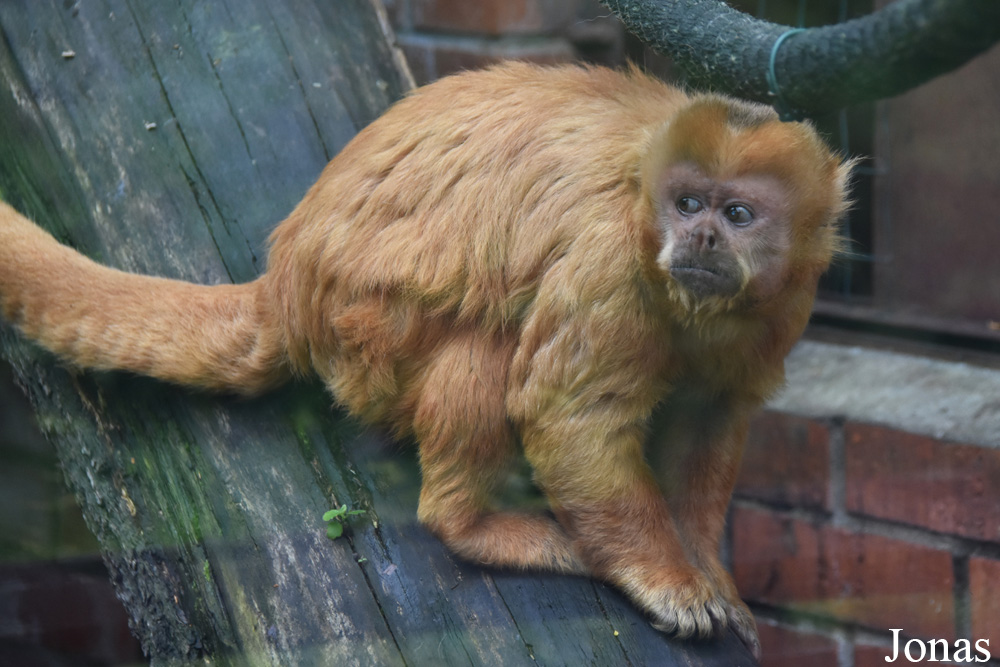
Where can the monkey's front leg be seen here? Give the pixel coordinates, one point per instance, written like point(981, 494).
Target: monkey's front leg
point(605, 496)
point(695, 450)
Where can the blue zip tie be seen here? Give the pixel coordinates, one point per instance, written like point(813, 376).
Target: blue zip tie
point(772, 78)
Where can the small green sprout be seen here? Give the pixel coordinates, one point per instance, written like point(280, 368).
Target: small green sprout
point(335, 520)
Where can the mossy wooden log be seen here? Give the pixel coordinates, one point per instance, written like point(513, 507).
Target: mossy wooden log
point(168, 138)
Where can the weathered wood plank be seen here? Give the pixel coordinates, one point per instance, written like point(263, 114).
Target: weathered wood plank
point(208, 509)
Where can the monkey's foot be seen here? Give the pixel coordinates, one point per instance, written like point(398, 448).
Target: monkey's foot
point(508, 539)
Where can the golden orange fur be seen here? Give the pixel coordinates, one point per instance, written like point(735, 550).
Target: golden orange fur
point(523, 256)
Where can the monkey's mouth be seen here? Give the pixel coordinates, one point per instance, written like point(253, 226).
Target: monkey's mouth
point(705, 281)
point(678, 271)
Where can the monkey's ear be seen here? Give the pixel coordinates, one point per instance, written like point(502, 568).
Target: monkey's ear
point(838, 204)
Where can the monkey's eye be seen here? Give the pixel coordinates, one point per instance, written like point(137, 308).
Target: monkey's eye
point(739, 215)
point(689, 205)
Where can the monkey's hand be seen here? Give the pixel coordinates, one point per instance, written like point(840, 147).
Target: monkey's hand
point(689, 606)
point(686, 603)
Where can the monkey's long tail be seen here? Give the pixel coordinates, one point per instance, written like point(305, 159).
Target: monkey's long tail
point(222, 337)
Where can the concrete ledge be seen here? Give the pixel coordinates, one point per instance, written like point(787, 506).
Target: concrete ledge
point(941, 399)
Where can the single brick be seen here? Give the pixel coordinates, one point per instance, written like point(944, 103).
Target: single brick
point(434, 57)
point(787, 461)
point(856, 577)
point(868, 655)
point(984, 591)
point(914, 479)
point(493, 17)
point(784, 646)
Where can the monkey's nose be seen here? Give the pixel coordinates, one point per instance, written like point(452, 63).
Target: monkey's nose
point(704, 239)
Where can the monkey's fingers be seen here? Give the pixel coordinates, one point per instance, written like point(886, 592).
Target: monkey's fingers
point(691, 611)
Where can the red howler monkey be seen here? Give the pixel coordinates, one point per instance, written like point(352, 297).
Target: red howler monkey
point(582, 262)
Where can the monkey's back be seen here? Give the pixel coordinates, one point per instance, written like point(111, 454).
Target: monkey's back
point(454, 209)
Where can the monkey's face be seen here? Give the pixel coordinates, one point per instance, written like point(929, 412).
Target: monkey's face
point(723, 238)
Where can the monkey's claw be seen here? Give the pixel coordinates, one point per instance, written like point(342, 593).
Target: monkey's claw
point(742, 622)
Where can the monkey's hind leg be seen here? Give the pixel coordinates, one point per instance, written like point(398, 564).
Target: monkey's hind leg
point(466, 445)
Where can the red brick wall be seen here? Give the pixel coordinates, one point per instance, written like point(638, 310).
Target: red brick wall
point(842, 531)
